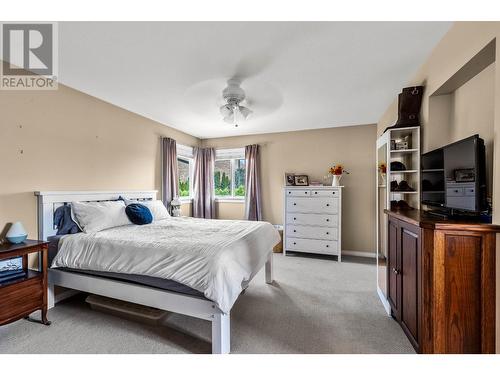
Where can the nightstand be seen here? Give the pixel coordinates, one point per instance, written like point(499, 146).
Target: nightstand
point(20, 297)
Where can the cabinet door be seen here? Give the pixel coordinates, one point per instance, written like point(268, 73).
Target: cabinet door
point(393, 270)
point(410, 279)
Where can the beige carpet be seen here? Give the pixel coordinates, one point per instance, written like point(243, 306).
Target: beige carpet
point(316, 306)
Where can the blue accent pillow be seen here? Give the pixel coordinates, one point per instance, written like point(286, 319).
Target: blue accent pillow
point(139, 214)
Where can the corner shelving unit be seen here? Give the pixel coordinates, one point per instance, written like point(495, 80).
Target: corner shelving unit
point(410, 157)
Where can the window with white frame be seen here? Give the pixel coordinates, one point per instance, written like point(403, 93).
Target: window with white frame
point(185, 169)
point(229, 174)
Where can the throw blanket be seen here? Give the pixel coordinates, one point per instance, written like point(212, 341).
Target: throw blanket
point(215, 257)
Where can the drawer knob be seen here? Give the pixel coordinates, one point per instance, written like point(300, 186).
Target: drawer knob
point(327, 219)
point(315, 192)
point(327, 245)
point(328, 205)
point(396, 271)
point(295, 243)
point(294, 231)
point(295, 204)
point(333, 193)
point(294, 218)
point(327, 232)
point(305, 192)
point(289, 192)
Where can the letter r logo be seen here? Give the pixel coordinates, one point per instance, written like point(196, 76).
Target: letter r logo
point(27, 49)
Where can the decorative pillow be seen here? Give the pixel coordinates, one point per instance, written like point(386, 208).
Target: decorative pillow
point(93, 217)
point(64, 222)
point(139, 214)
point(157, 208)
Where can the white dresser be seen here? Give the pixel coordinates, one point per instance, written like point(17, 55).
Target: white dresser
point(313, 220)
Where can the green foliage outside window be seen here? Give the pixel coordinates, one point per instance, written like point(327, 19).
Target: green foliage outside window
point(222, 178)
point(184, 188)
point(239, 182)
point(222, 184)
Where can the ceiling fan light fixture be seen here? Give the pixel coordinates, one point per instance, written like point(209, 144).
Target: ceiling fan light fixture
point(226, 110)
point(232, 112)
point(245, 112)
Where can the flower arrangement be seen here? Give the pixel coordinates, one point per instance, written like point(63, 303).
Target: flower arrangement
point(337, 170)
point(382, 168)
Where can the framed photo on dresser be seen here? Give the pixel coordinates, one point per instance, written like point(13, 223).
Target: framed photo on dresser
point(289, 179)
point(301, 180)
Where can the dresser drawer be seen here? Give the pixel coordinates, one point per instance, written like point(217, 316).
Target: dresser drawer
point(298, 193)
point(313, 219)
point(324, 193)
point(319, 233)
point(317, 205)
point(311, 246)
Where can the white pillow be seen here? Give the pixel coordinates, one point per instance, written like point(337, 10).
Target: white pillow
point(93, 217)
point(157, 208)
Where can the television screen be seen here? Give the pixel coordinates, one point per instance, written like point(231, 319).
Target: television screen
point(453, 177)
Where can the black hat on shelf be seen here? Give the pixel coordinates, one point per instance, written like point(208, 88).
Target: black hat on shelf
point(397, 166)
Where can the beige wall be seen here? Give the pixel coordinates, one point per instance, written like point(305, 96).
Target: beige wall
point(312, 152)
point(477, 103)
point(66, 140)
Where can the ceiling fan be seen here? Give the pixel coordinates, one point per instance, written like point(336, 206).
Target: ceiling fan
point(234, 95)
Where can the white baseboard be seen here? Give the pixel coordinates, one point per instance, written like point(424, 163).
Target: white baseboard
point(366, 254)
point(384, 301)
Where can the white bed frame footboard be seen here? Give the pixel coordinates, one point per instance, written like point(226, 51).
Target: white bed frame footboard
point(49, 201)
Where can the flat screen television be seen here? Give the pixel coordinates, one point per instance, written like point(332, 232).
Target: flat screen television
point(454, 176)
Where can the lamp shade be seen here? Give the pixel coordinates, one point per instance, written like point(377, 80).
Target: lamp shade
point(16, 233)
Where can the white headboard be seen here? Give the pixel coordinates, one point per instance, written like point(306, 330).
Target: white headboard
point(49, 201)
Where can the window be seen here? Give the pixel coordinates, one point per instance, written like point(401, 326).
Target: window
point(185, 169)
point(229, 174)
point(184, 177)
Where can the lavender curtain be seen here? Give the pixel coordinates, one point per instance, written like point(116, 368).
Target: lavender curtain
point(253, 197)
point(203, 184)
point(170, 175)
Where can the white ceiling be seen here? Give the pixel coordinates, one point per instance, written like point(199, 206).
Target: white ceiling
point(297, 75)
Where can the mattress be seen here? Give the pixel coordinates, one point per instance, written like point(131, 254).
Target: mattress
point(155, 282)
point(216, 257)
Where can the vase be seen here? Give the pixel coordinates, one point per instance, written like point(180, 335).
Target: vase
point(336, 179)
point(16, 233)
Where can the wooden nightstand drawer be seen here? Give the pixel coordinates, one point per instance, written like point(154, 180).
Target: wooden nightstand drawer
point(21, 297)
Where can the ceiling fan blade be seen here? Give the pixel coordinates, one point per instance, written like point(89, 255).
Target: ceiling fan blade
point(252, 65)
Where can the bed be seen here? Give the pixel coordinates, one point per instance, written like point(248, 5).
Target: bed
point(195, 278)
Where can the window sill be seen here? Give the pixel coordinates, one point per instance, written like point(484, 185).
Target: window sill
point(217, 200)
point(229, 200)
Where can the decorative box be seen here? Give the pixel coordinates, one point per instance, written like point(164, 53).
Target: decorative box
point(11, 268)
point(11, 265)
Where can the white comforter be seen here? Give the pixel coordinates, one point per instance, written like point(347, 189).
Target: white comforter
point(215, 257)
